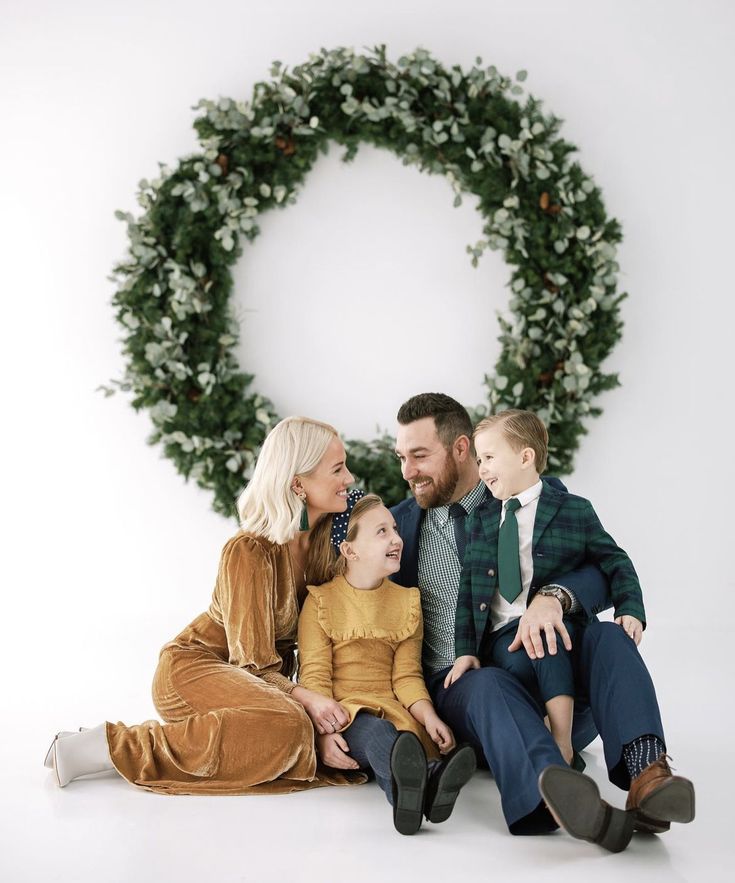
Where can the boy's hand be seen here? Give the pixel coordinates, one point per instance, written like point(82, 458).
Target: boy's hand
point(332, 749)
point(439, 733)
point(461, 665)
point(543, 614)
point(633, 627)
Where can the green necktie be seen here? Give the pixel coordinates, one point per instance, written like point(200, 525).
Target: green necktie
point(509, 565)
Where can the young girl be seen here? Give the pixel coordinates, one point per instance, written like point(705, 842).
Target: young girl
point(360, 644)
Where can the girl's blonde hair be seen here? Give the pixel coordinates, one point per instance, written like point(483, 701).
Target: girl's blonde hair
point(323, 562)
point(268, 506)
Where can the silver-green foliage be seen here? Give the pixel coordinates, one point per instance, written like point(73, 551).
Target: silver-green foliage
point(474, 128)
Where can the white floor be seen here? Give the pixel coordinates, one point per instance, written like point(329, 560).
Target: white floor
point(104, 829)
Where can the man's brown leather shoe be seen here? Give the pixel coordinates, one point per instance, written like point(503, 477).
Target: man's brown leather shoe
point(657, 797)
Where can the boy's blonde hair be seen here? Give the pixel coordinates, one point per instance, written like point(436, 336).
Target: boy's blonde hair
point(268, 506)
point(323, 563)
point(521, 429)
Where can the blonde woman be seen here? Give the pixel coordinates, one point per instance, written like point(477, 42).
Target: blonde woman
point(235, 720)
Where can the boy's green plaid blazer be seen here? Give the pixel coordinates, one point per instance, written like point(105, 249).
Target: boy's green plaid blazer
point(566, 534)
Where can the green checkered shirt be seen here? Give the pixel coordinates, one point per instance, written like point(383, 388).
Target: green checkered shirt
point(439, 572)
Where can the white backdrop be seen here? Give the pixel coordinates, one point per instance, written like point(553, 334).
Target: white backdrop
point(108, 553)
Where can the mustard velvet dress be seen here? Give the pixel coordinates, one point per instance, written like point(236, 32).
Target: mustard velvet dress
point(363, 648)
point(222, 686)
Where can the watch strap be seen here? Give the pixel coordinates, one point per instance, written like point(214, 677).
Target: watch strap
point(563, 596)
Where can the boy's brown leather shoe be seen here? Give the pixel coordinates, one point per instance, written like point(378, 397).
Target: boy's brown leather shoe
point(657, 797)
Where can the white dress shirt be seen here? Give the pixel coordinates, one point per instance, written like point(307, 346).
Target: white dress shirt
point(502, 612)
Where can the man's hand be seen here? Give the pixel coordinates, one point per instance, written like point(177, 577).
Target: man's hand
point(542, 615)
point(333, 749)
point(633, 627)
point(461, 665)
point(327, 715)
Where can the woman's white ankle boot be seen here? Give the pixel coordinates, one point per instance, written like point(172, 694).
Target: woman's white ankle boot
point(49, 760)
point(80, 754)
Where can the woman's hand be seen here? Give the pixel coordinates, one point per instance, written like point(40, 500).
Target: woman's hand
point(439, 733)
point(332, 749)
point(327, 715)
point(632, 627)
point(461, 665)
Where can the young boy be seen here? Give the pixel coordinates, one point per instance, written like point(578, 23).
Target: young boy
point(537, 534)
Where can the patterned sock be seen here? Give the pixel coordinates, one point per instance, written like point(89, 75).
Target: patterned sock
point(642, 752)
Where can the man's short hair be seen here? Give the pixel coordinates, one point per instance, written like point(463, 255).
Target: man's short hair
point(521, 429)
point(450, 418)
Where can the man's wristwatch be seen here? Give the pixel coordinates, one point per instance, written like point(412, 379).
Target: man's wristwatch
point(560, 594)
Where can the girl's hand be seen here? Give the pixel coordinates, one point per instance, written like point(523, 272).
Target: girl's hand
point(633, 627)
point(461, 665)
point(440, 733)
point(332, 749)
point(327, 715)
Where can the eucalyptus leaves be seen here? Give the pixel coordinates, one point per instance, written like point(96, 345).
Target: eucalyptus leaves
point(538, 208)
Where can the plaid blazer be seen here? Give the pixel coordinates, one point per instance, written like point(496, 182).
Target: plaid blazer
point(566, 534)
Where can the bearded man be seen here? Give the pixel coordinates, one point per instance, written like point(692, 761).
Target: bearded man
point(489, 707)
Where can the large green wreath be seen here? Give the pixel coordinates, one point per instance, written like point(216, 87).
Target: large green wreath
point(539, 208)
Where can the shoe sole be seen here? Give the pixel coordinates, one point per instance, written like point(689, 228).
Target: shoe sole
point(454, 777)
point(575, 801)
point(673, 801)
point(408, 768)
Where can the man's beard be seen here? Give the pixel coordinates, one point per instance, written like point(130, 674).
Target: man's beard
point(441, 491)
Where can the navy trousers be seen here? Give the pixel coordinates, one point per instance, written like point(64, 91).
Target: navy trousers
point(544, 678)
point(491, 709)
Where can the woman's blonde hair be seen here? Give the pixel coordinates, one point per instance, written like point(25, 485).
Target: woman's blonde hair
point(268, 506)
point(322, 561)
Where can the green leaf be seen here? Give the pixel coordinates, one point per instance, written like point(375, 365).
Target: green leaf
point(173, 284)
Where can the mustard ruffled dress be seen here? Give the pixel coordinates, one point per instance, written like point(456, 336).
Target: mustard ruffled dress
point(363, 648)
